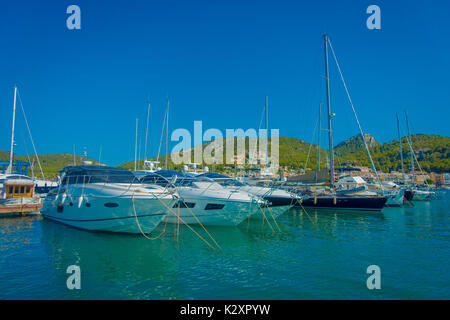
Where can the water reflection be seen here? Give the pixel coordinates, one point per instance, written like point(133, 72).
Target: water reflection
point(313, 254)
point(328, 221)
point(17, 231)
point(147, 268)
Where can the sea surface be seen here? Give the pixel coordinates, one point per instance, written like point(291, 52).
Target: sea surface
point(313, 255)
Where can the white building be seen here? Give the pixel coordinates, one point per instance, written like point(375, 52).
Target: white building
point(446, 179)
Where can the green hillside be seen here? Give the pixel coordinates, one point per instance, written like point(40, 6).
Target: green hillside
point(432, 151)
point(293, 154)
point(51, 163)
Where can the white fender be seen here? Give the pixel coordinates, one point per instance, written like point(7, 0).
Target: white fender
point(80, 201)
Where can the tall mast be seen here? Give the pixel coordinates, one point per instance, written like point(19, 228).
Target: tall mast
point(330, 116)
point(267, 129)
point(11, 154)
point(167, 130)
point(135, 145)
point(146, 132)
point(411, 149)
point(401, 148)
point(318, 142)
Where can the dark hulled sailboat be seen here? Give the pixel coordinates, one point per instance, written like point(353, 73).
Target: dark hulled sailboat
point(360, 203)
point(331, 200)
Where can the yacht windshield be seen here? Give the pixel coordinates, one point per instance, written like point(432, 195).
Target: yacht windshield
point(167, 177)
point(22, 177)
point(96, 174)
point(221, 179)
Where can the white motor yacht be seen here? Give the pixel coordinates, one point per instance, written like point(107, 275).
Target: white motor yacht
point(205, 202)
point(279, 200)
point(110, 199)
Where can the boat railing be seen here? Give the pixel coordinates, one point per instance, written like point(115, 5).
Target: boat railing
point(103, 181)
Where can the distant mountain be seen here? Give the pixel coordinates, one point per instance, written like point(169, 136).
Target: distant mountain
point(355, 144)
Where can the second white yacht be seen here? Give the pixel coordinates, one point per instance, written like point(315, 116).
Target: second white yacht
point(279, 200)
point(205, 202)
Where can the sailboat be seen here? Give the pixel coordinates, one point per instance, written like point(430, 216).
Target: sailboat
point(266, 171)
point(418, 194)
point(409, 193)
point(331, 199)
point(17, 192)
point(150, 166)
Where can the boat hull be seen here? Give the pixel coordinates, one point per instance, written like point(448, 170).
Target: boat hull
point(20, 206)
point(420, 195)
point(345, 203)
point(123, 215)
point(270, 213)
point(395, 198)
point(409, 195)
point(194, 212)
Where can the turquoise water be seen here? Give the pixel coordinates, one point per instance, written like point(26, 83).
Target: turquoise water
point(322, 255)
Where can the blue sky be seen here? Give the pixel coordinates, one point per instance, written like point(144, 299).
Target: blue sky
point(216, 60)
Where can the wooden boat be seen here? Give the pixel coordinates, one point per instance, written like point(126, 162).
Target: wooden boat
point(17, 198)
point(17, 194)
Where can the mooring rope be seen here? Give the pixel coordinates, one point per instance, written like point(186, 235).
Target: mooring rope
point(170, 210)
point(306, 212)
point(273, 218)
point(192, 213)
point(265, 218)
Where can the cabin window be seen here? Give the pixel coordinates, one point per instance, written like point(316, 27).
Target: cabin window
point(182, 204)
point(16, 189)
point(22, 189)
point(214, 206)
point(111, 204)
point(28, 189)
point(11, 190)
